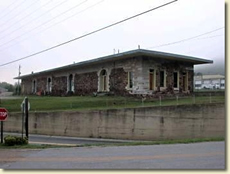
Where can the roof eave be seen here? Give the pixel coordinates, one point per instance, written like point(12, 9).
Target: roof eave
point(131, 53)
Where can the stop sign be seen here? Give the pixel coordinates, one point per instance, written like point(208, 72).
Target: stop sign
point(3, 114)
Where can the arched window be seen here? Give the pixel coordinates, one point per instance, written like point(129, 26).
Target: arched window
point(152, 79)
point(70, 83)
point(103, 80)
point(34, 86)
point(49, 84)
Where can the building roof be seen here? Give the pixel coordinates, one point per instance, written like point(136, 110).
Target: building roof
point(209, 77)
point(119, 56)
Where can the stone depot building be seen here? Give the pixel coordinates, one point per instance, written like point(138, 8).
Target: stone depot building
point(129, 73)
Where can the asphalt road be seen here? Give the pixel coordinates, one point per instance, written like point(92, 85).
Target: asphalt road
point(210, 155)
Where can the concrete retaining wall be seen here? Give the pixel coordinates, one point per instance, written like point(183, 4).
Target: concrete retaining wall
point(146, 123)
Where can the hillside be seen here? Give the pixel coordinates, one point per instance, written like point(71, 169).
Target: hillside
point(211, 69)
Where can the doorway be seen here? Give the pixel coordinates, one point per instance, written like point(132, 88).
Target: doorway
point(103, 80)
point(185, 81)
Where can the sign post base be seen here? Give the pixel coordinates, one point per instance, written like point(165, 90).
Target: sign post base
point(2, 132)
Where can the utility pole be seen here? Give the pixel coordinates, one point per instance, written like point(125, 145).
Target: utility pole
point(19, 73)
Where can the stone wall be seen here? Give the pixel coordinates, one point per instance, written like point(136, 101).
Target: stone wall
point(59, 85)
point(41, 84)
point(144, 123)
point(26, 85)
point(85, 84)
point(118, 81)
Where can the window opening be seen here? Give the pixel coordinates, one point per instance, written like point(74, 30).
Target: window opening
point(49, 85)
point(151, 79)
point(130, 80)
point(162, 78)
point(103, 80)
point(175, 80)
point(185, 81)
point(71, 82)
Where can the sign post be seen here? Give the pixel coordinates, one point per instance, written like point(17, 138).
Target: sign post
point(27, 118)
point(3, 117)
point(1, 132)
point(23, 111)
point(25, 106)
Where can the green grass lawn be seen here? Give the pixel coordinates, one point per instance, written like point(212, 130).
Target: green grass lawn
point(101, 102)
point(135, 143)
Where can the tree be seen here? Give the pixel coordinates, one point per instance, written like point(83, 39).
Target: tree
point(17, 89)
point(7, 86)
point(199, 74)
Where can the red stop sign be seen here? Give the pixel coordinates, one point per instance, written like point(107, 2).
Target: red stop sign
point(3, 114)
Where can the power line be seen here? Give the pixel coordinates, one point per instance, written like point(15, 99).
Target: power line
point(14, 8)
point(187, 39)
point(28, 15)
point(57, 5)
point(41, 31)
point(9, 6)
point(211, 37)
point(9, 20)
point(74, 14)
point(93, 32)
point(45, 22)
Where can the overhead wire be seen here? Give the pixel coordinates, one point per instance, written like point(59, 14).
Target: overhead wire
point(200, 48)
point(10, 19)
point(187, 39)
point(14, 8)
point(211, 37)
point(90, 33)
point(28, 15)
point(74, 14)
point(44, 29)
point(57, 5)
point(8, 6)
point(45, 22)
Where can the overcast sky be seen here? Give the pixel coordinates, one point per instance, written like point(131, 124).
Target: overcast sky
point(29, 26)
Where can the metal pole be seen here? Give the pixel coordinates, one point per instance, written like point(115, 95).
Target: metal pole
point(210, 98)
point(27, 117)
point(2, 132)
point(160, 100)
point(177, 100)
point(19, 73)
point(23, 112)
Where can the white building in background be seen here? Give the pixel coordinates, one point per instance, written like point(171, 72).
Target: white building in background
point(3, 90)
point(209, 82)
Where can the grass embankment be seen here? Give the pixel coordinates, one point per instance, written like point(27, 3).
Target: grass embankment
point(32, 146)
point(135, 143)
point(102, 102)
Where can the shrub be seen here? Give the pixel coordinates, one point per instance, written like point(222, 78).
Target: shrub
point(10, 140)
